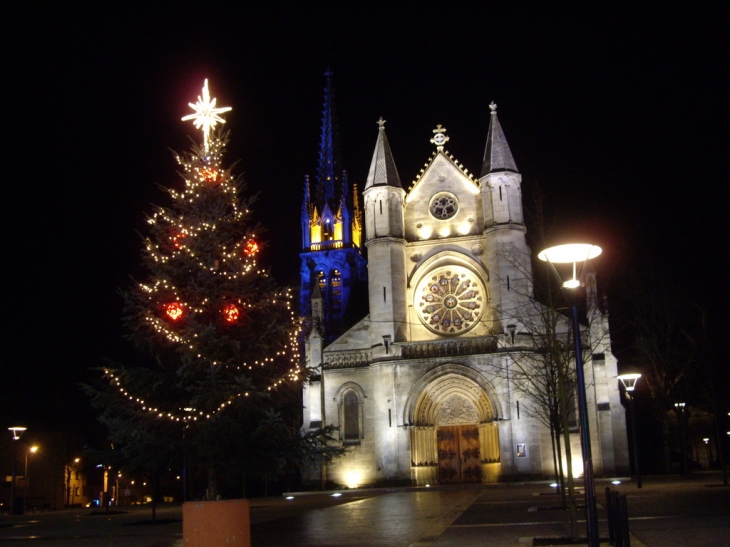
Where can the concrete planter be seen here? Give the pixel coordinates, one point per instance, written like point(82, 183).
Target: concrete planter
point(224, 523)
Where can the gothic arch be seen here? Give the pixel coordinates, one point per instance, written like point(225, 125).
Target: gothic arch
point(450, 382)
point(451, 256)
point(350, 399)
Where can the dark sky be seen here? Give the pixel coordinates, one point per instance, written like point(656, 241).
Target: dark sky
point(619, 115)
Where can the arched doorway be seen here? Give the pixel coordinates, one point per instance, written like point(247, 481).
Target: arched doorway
point(457, 441)
point(454, 433)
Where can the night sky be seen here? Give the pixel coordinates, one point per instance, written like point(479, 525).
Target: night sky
point(619, 116)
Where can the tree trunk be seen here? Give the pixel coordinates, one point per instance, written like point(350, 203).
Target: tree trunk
point(719, 445)
point(155, 481)
point(561, 474)
point(568, 456)
point(212, 490)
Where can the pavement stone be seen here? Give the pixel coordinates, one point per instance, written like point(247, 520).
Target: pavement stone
point(667, 512)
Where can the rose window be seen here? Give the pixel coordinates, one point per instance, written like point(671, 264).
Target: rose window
point(444, 206)
point(450, 301)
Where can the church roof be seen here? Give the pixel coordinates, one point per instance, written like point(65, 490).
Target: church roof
point(497, 155)
point(382, 168)
point(451, 159)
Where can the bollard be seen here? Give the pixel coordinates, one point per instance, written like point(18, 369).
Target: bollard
point(618, 518)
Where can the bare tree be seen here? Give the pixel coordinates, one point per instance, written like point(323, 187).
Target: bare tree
point(664, 349)
point(542, 368)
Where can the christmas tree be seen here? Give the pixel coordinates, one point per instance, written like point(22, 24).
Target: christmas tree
point(222, 336)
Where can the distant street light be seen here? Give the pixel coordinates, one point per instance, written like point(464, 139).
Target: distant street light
point(31, 450)
point(17, 431)
point(573, 254)
point(709, 452)
point(682, 435)
point(70, 490)
point(629, 382)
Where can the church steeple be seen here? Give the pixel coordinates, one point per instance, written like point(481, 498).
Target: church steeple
point(329, 170)
point(497, 155)
point(306, 215)
point(331, 257)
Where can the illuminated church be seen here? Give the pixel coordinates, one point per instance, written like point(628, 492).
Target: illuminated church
point(420, 386)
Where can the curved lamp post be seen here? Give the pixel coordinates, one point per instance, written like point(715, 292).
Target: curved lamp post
point(17, 431)
point(579, 253)
point(629, 383)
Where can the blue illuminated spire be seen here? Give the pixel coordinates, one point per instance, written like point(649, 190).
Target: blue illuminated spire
point(329, 170)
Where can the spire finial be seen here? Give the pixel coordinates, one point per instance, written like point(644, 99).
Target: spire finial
point(439, 137)
point(206, 114)
point(493, 107)
point(381, 123)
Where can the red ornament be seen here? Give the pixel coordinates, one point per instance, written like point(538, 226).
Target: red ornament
point(231, 313)
point(251, 248)
point(177, 239)
point(174, 311)
point(209, 175)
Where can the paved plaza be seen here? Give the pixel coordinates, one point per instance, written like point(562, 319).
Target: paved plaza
point(667, 512)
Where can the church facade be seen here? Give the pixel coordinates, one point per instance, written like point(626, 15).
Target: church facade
point(425, 388)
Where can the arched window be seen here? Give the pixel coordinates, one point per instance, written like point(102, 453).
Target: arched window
point(351, 414)
point(336, 292)
point(327, 229)
point(322, 280)
point(350, 399)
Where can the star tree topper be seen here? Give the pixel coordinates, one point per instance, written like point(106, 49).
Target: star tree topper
point(206, 114)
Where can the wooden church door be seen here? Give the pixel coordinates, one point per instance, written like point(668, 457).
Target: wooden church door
point(458, 454)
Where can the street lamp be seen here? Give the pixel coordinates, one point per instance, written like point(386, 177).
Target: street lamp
point(709, 452)
point(17, 431)
point(629, 383)
point(682, 435)
point(574, 254)
point(31, 450)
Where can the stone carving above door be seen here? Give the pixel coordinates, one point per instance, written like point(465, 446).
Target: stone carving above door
point(456, 410)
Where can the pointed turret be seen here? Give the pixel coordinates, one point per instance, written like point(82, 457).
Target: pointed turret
point(504, 226)
point(382, 167)
point(497, 155)
point(384, 197)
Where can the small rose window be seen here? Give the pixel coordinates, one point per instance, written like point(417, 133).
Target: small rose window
point(444, 206)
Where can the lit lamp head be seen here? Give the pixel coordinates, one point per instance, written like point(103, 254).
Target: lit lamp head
point(629, 380)
point(17, 432)
point(572, 253)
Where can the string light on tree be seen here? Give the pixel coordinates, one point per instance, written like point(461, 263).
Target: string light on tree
point(201, 257)
point(221, 337)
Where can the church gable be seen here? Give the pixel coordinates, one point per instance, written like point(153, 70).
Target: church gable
point(444, 203)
